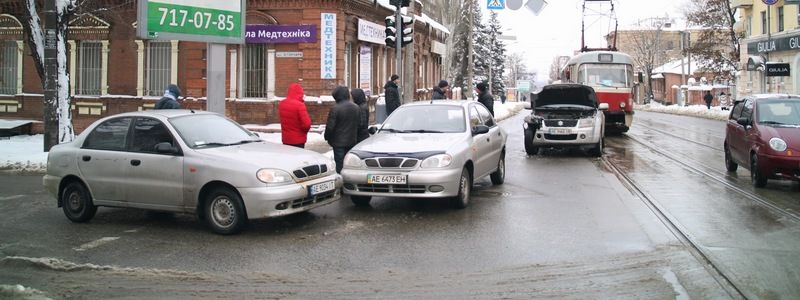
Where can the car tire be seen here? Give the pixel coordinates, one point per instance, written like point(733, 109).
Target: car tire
point(529, 148)
point(758, 179)
point(224, 211)
point(597, 150)
point(464, 190)
point(499, 176)
point(360, 200)
point(77, 203)
point(730, 165)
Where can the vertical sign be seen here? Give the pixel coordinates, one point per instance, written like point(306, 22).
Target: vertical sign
point(365, 69)
point(328, 44)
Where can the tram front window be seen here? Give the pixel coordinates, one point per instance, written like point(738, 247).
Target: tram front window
point(610, 75)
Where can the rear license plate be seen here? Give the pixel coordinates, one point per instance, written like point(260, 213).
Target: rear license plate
point(387, 179)
point(560, 131)
point(320, 188)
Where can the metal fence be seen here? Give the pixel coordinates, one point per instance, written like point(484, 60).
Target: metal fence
point(9, 56)
point(158, 68)
point(90, 68)
point(255, 71)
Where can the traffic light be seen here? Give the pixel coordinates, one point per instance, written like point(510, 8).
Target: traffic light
point(406, 31)
point(391, 32)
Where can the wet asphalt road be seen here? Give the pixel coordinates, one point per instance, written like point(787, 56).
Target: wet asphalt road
point(562, 226)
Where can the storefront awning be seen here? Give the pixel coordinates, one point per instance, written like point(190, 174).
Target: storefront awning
point(755, 63)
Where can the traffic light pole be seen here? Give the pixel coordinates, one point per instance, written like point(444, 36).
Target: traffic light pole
point(398, 51)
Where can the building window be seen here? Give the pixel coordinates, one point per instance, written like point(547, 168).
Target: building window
point(255, 71)
point(9, 106)
point(763, 22)
point(750, 24)
point(94, 109)
point(348, 63)
point(158, 69)
point(90, 68)
point(780, 19)
point(9, 64)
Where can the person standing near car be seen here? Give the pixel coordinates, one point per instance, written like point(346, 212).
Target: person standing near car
point(392, 94)
point(440, 90)
point(360, 99)
point(708, 98)
point(485, 98)
point(295, 121)
point(341, 130)
point(170, 98)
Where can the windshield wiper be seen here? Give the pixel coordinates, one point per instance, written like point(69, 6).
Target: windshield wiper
point(244, 142)
point(424, 131)
point(212, 144)
point(393, 130)
point(772, 123)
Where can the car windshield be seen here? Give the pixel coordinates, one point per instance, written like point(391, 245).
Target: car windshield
point(779, 113)
point(426, 119)
point(608, 75)
point(207, 130)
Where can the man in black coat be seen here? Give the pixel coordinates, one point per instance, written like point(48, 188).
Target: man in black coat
point(485, 98)
point(360, 99)
point(708, 98)
point(392, 94)
point(440, 91)
point(341, 131)
point(170, 98)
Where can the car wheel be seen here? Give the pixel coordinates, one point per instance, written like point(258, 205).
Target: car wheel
point(464, 190)
point(529, 148)
point(77, 203)
point(499, 176)
point(597, 150)
point(758, 179)
point(360, 200)
point(225, 212)
point(729, 163)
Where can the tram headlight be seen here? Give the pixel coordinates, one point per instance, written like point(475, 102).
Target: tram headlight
point(622, 104)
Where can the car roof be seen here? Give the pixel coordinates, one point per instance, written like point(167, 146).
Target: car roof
point(165, 113)
point(770, 97)
point(441, 102)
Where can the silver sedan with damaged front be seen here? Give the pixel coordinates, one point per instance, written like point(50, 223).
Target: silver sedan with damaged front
point(427, 150)
point(188, 162)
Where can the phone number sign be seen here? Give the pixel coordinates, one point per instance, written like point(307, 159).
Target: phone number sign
point(210, 21)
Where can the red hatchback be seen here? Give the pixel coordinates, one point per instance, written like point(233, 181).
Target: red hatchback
point(763, 135)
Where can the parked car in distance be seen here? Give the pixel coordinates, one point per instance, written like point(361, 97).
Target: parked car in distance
point(565, 115)
point(190, 162)
point(763, 135)
point(427, 150)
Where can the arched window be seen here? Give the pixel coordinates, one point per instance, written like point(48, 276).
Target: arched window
point(10, 56)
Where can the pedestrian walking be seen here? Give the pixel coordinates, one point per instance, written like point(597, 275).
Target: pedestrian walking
point(502, 98)
point(341, 130)
point(392, 94)
point(708, 98)
point(360, 99)
point(440, 91)
point(170, 98)
point(484, 97)
point(295, 121)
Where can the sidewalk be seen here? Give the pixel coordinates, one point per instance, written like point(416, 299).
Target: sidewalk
point(701, 111)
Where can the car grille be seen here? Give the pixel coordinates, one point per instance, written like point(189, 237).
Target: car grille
point(565, 123)
point(392, 188)
point(310, 171)
point(313, 199)
point(560, 137)
point(391, 162)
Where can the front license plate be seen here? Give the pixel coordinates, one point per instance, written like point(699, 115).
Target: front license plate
point(387, 179)
point(560, 131)
point(320, 188)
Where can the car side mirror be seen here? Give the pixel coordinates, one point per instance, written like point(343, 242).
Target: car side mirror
point(603, 106)
point(166, 148)
point(743, 121)
point(527, 105)
point(372, 130)
point(480, 129)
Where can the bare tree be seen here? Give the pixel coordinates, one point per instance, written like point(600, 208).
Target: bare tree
point(515, 63)
point(718, 46)
point(647, 49)
point(555, 68)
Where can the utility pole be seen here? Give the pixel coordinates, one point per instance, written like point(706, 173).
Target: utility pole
point(469, 51)
point(50, 75)
point(398, 55)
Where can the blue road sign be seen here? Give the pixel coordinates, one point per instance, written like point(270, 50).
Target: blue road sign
point(769, 2)
point(496, 4)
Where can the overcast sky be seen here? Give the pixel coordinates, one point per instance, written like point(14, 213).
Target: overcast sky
point(557, 29)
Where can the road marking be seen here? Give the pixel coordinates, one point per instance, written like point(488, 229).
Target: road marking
point(12, 197)
point(95, 243)
point(135, 230)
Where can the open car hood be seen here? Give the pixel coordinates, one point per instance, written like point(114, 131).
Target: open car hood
point(566, 94)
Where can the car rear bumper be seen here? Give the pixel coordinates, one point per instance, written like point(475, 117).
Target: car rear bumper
point(263, 202)
point(420, 184)
point(783, 167)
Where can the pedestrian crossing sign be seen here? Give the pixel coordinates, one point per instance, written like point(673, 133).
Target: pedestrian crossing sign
point(496, 4)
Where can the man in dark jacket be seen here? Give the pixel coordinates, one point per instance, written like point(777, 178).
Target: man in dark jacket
point(485, 98)
point(708, 98)
point(295, 121)
point(170, 98)
point(440, 91)
point(341, 131)
point(360, 99)
point(392, 94)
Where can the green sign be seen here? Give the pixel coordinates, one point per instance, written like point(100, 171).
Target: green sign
point(210, 21)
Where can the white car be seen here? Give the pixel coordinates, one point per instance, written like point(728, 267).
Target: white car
point(427, 150)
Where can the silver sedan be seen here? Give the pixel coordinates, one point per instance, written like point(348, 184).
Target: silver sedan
point(185, 161)
point(427, 150)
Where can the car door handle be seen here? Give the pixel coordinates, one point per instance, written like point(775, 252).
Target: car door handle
point(135, 162)
point(86, 158)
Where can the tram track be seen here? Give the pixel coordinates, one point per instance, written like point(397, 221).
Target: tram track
point(680, 137)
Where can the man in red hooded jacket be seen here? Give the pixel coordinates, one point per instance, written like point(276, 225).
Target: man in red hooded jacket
point(295, 121)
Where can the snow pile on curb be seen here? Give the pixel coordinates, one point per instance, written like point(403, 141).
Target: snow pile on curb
point(23, 154)
point(701, 111)
point(20, 292)
point(506, 110)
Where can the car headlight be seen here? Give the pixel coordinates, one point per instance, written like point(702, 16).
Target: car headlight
point(437, 161)
point(273, 176)
point(353, 161)
point(777, 144)
point(583, 123)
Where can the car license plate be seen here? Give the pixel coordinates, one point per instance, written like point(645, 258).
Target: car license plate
point(320, 188)
point(560, 131)
point(387, 179)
